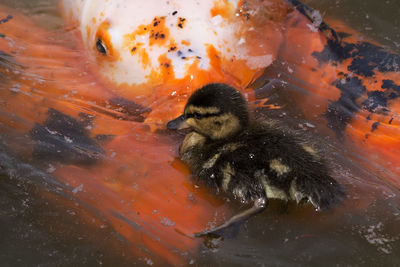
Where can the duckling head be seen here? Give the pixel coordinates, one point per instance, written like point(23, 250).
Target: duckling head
point(216, 111)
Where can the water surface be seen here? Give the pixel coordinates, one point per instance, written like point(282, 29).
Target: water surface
point(38, 230)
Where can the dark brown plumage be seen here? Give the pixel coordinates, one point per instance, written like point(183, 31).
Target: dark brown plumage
point(251, 160)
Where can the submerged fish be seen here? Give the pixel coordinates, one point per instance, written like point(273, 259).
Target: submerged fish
point(353, 85)
point(80, 106)
point(164, 49)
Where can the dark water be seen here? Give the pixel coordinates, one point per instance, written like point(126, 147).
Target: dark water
point(362, 232)
point(378, 20)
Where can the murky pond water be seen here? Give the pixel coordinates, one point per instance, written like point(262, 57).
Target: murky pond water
point(83, 218)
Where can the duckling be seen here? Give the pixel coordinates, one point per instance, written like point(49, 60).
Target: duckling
point(252, 160)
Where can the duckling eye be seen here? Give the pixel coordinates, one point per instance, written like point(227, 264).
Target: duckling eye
point(100, 46)
point(197, 115)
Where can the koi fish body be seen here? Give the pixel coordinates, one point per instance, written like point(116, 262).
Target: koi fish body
point(82, 107)
point(164, 49)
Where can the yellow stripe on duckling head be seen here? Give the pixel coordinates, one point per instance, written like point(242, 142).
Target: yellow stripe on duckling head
point(216, 127)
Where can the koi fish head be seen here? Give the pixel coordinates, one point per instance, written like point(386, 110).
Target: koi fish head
point(140, 45)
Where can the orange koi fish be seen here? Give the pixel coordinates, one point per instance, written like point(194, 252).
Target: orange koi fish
point(88, 106)
point(154, 54)
point(94, 145)
point(353, 85)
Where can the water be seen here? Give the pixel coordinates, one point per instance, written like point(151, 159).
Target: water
point(377, 20)
point(85, 218)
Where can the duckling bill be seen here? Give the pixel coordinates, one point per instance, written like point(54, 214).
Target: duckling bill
point(251, 160)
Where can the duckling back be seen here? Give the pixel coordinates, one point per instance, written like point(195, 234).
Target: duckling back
point(265, 162)
point(251, 159)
